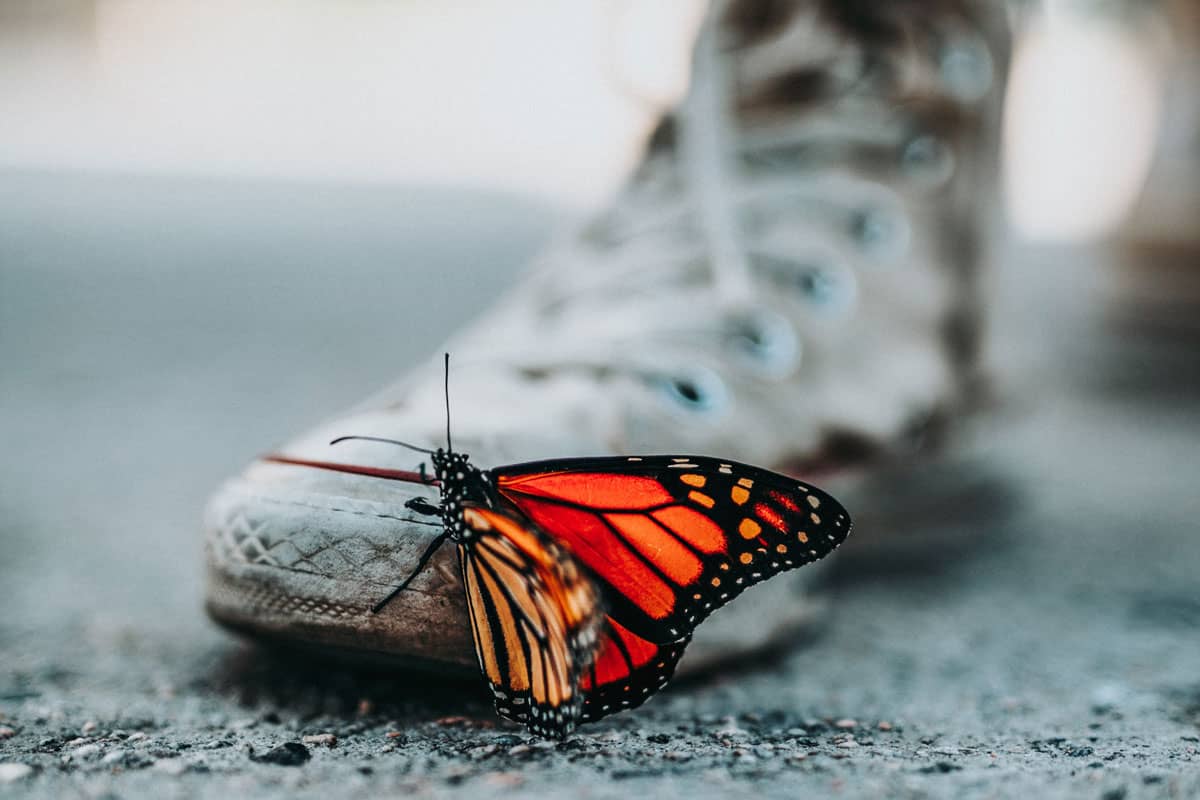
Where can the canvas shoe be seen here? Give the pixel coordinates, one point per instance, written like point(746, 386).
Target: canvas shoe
point(789, 279)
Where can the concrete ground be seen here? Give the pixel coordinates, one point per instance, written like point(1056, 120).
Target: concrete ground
point(1024, 622)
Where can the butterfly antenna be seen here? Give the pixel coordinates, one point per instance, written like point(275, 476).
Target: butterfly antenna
point(385, 441)
point(449, 448)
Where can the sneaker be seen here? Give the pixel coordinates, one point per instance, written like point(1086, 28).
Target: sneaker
point(788, 279)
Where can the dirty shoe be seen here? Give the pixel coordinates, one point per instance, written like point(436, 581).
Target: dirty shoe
point(788, 279)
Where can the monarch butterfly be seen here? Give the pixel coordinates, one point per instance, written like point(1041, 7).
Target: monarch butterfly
point(585, 577)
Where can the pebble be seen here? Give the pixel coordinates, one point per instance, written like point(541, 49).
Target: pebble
point(504, 780)
point(7, 732)
point(846, 724)
point(507, 740)
point(13, 771)
point(137, 737)
point(678, 755)
point(89, 726)
point(288, 754)
point(86, 751)
point(320, 739)
point(885, 725)
point(170, 766)
point(114, 757)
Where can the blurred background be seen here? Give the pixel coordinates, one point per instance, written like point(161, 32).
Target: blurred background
point(220, 221)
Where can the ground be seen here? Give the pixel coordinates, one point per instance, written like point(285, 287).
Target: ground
point(1022, 621)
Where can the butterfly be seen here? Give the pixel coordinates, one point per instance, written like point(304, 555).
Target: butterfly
point(585, 577)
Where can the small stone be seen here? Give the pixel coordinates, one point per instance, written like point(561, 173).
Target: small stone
point(7, 732)
point(504, 780)
point(658, 738)
point(395, 735)
point(677, 755)
point(137, 737)
point(520, 749)
point(89, 727)
point(365, 707)
point(170, 766)
point(846, 724)
point(288, 754)
point(482, 751)
point(796, 758)
point(885, 725)
point(849, 743)
point(320, 739)
point(941, 767)
point(452, 721)
point(114, 757)
point(13, 771)
point(506, 740)
point(86, 751)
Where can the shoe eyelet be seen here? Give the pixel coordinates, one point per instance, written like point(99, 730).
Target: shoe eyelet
point(766, 342)
point(881, 234)
point(828, 290)
point(823, 285)
point(928, 158)
point(697, 391)
point(965, 64)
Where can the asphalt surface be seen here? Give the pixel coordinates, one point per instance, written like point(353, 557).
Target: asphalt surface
point(1023, 622)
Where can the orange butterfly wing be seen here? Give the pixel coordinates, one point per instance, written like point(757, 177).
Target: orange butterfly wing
point(626, 671)
point(673, 538)
point(535, 619)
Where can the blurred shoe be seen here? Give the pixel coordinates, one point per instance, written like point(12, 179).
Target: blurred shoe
point(789, 279)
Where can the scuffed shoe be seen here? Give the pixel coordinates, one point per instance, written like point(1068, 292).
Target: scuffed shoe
point(789, 279)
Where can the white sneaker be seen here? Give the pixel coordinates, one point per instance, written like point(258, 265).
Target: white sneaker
point(789, 279)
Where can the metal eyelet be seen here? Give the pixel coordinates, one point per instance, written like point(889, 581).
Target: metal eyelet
point(823, 285)
point(928, 158)
point(697, 391)
point(826, 289)
point(880, 233)
point(966, 67)
point(766, 342)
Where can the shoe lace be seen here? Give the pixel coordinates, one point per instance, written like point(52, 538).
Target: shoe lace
point(689, 282)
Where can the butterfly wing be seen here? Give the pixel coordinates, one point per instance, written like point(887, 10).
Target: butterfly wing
point(535, 618)
point(673, 538)
point(626, 671)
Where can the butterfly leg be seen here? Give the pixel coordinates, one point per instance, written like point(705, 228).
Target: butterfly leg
point(428, 554)
point(423, 507)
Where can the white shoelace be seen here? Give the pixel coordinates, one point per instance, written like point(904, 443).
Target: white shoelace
point(687, 297)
